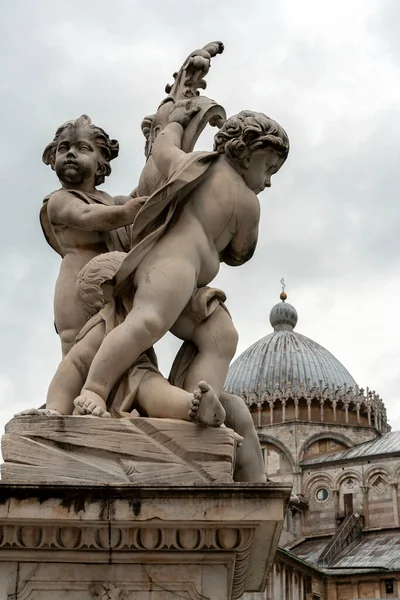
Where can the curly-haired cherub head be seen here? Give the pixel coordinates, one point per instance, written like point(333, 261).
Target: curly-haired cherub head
point(74, 134)
point(90, 282)
point(248, 131)
point(248, 134)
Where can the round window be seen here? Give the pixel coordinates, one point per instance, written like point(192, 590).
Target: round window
point(322, 494)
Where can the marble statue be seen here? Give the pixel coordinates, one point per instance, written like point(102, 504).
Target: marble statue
point(77, 219)
point(135, 267)
point(215, 213)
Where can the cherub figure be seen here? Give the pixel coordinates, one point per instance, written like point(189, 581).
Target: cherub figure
point(78, 220)
point(211, 217)
point(143, 388)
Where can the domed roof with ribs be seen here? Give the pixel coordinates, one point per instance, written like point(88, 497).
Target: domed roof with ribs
point(286, 356)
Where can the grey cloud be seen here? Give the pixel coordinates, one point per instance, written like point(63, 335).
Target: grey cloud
point(329, 223)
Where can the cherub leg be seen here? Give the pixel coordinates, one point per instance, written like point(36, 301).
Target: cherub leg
point(161, 294)
point(69, 315)
point(158, 398)
point(216, 340)
point(249, 460)
point(72, 371)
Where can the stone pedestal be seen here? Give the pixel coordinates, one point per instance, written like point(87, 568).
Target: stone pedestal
point(127, 542)
point(130, 509)
point(39, 449)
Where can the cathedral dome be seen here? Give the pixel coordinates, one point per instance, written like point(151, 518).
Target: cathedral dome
point(286, 357)
point(285, 376)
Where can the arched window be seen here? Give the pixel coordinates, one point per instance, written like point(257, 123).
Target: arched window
point(275, 460)
point(323, 446)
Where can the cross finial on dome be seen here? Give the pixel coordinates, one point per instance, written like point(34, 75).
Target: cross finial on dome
point(283, 315)
point(283, 294)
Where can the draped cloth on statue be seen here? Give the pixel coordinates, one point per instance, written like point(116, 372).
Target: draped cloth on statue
point(202, 304)
point(122, 400)
point(116, 239)
point(157, 213)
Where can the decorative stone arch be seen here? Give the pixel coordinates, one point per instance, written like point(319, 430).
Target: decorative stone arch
point(324, 435)
point(348, 473)
point(396, 473)
point(318, 479)
point(264, 438)
point(376, 470)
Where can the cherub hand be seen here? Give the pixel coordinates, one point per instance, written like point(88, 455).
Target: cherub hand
point(183, 112)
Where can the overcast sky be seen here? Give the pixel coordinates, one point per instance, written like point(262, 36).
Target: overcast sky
point(327, 70)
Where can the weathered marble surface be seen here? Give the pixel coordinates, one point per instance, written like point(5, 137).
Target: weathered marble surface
point(40, 449)
point(65, 542)
point(153, 254)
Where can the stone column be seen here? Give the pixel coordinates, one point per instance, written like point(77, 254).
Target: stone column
point(335, 494)
point(278, 581)
point(270, 585)
point(259, 408)
point(334, 404)
point(346, 411)
point(283, 410)
point(331, 590)
point(271, 411)
point(321, 404)
point(296, 409)
point(289, 578)
point(394, 485)
point(309, 409)
point(365, 489)
point(283, 581)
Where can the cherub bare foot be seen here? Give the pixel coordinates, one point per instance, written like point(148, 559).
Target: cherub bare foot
point(45, 412)
point(90, 404)
point(205, 408)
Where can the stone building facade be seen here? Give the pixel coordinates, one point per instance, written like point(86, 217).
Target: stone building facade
point(330, 438)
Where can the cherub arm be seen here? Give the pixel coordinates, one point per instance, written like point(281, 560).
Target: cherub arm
point(243, 243)
point(166, 151)
point(66, 209)
point(119, 200)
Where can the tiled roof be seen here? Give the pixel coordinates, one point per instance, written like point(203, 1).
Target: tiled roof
point(310, 550)
point(375, 550)
point(388, 443)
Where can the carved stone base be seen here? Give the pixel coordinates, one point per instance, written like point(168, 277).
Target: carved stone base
point(38, 449)
point(127, 542)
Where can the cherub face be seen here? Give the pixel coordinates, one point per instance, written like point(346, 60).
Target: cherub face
point(77, 157)
point(260, 167)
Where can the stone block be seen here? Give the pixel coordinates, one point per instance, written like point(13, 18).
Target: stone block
point(39, 449)
point(129, 542)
